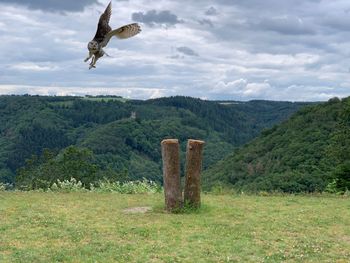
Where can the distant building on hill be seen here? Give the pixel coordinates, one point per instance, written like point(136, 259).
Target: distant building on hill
point(133, 115)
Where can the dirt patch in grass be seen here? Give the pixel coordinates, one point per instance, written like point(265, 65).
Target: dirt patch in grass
point(137, 210)
point(346, 239)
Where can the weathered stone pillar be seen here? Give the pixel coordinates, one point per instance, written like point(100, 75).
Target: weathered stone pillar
point(192, 193)
point(171, 174)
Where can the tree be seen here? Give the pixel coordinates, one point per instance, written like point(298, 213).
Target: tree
point(72, 162)
point(342, 175)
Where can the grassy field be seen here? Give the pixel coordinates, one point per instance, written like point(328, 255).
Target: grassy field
point(92, 227)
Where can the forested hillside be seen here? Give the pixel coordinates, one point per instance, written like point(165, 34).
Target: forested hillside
point(116, 138)
point(304, 153)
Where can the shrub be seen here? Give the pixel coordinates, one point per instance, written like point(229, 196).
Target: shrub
point(67, 186)
point(331, 187)
point(132, 187)
point(4, 187)
point(342, 175)
point(106, 186)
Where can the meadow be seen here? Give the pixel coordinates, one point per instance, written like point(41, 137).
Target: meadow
point(94, 227)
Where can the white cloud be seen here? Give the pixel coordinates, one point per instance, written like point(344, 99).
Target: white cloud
point(256, 89)
point(232, 87)
point(243, 88)
point(127, 92)
point(29, 66)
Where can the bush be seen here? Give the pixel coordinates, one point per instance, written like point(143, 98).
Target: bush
point(67, 186)
point(5, 187)
point(106, 186)
point(331, 187)
point(342, 175)
point(133, 187)
point(2, 187)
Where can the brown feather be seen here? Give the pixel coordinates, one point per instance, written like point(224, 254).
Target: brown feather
point(103, 27)
point(123, 32)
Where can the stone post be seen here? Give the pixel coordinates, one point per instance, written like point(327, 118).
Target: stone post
point(171, 174)
point(192, 193)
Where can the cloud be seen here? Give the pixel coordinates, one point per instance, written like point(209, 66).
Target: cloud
point(215, 49)
point(154, 17)
point(230, 87)
point(338, 23)
point(29, 66)
point(126, 92)
point(211, 11)
point(243, 87)
point(53, 5)
point(205, 21)
point(187, 51)
point(286, 25)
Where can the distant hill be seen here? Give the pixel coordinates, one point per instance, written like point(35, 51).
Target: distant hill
point(300, 154)
point(124, 135)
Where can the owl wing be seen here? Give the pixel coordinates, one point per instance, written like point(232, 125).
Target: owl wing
point(123, 32)
point(103, 24)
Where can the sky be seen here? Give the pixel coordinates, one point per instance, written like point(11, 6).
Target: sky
point(286, 50)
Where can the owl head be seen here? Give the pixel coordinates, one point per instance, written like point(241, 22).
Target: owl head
point(93, 46)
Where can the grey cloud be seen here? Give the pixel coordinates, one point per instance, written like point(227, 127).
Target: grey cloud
point(53, 5)
point(176, 57)
point(268, 4)
point(154, 17)
point(187, 51)
point(287, 26)
point(211, 11)
point(339, 23)
point(207, 22)
point(276, 26)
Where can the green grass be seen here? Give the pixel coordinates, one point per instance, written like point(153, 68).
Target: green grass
point(92, 227)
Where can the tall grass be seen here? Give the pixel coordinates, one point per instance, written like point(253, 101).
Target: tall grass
point(106, 186)
point(133, 187)
point(4, 187)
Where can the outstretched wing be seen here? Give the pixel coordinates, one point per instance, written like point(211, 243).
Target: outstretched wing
point(122, 33)
point(103, 24)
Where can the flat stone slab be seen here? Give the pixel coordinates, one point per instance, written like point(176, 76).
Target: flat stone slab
point(137, 210)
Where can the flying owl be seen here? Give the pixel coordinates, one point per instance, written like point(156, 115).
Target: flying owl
point(105, 33)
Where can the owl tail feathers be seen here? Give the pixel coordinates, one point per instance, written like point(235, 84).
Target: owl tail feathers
point(108, 55)
point(105, 53)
